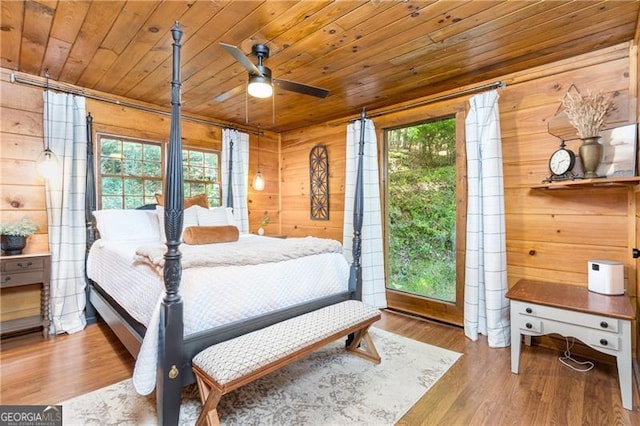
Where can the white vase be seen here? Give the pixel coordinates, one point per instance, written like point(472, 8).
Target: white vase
point(260, 231)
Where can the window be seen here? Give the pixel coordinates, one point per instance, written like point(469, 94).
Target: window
point(201, 171)
point(130, 172)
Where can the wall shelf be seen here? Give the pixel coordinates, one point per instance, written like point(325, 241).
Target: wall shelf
point(590, 183)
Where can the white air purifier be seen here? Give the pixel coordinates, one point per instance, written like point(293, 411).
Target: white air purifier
point(606, 277)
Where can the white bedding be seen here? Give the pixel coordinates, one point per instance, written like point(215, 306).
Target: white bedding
point(212, 296)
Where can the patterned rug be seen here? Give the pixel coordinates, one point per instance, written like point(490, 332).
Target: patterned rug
point(328, 387)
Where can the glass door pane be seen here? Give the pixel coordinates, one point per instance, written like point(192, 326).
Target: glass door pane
point(422, 217)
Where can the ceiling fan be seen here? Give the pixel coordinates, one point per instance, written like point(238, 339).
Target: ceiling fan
point(260, 80)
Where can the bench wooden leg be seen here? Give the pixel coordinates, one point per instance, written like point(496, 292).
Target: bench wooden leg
point(210, 398)
point(362, 346)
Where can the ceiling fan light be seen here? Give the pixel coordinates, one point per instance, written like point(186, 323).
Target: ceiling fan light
point(260, 87)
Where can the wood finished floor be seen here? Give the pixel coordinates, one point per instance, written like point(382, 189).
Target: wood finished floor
point(478, 390)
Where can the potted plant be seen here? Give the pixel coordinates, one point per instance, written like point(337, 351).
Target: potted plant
point(265, 222)
point(587, 114)
point(14, 235)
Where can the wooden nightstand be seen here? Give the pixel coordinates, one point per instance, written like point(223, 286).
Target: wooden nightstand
point(24, 270)
point(602, 322)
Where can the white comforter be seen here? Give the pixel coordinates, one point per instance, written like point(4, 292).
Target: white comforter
point(212, 296)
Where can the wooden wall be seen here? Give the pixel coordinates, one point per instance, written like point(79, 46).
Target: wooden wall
point(550, 234)
point(21, 133)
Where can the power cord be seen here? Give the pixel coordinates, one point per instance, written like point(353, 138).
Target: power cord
point(567, 358)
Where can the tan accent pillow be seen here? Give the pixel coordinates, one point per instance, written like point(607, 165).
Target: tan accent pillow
point(196, 235)
point(198, 200)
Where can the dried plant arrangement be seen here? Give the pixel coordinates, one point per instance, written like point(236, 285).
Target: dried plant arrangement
point(587, 113)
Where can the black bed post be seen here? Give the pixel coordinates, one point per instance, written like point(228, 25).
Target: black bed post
point(170, 352)
point(355, 277)
point(89, 207)
point(230, 183)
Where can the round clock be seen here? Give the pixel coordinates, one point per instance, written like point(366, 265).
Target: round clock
point(562, 161)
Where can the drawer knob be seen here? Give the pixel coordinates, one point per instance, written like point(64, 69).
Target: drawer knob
point(528, 325)
point(529, 310)
point(6, 279)
point(604, 324)
point(604, 342)
point(23, 265)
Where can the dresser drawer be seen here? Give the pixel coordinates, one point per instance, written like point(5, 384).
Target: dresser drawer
point(604, 340)
point(596, 322)
point(530, 324)
point(21, 278)
point(19, 265)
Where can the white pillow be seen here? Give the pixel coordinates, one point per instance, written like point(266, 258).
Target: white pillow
point(127, 225)
point(215, 216)
point(189, 218)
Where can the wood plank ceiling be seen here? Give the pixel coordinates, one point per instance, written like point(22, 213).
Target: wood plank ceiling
point(366, 53)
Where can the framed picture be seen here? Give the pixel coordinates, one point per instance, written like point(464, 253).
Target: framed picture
point(619, 157)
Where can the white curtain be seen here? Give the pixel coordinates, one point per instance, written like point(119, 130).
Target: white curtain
point(240, 174)
point(65, 129)
point(372, 258)
point(486, 310)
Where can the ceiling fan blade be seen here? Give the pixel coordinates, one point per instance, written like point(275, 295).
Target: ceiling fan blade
point(229, 93)
point(304, 89)
point(240, 57)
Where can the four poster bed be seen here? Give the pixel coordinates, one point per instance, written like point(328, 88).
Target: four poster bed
point(181, 328)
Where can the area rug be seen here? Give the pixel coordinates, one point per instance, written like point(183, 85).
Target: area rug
point(328, 387)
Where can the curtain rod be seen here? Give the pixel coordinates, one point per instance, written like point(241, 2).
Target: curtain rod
point(495, 85)
point(72, 91)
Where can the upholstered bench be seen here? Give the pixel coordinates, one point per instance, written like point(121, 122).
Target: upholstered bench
point(226, 366)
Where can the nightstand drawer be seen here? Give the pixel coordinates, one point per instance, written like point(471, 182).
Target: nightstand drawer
point(597, 322)
point(530, 324)
point(19, 265)
point(21, 278)
point(604, 340)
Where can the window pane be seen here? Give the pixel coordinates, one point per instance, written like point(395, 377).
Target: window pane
point(112, 186)
point(110, 166)
point(196, 158)
point(111, 202)
point(109, 147)
point(131, 202)
point(152, 153)
point(211, 174)
point(149, 199)
point(422, 209)
point(196, 173)
point(130, 169)
point(133, 168)
point(152, 187)
point(213, 194)
point(133, 187)
point(152, 169)
point(197, 188)
point(132, 150)
point(211, 160)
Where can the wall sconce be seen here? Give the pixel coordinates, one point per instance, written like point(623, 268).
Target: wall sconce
point(258, 180)
point(47, 162)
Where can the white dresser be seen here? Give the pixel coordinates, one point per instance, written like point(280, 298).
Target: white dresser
point(600, 321)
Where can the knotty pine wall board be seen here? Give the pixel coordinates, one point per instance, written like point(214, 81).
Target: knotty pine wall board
point(21, 141)
point(525, 107)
